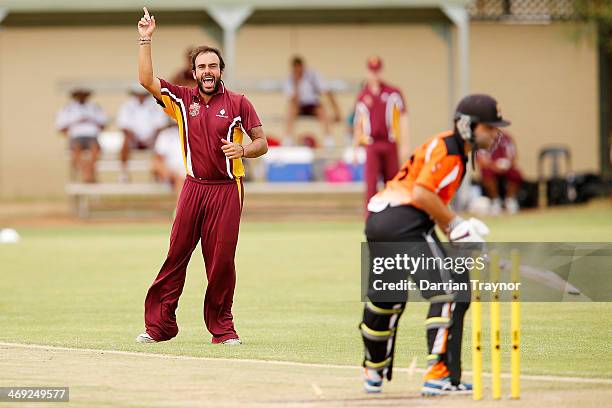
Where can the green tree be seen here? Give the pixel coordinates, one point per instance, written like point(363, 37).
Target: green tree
point(598, 12)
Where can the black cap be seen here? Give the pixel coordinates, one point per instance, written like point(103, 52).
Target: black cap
point(483, 109)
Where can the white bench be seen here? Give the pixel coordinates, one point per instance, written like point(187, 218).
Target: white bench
point(312, 187)
point(81, 194)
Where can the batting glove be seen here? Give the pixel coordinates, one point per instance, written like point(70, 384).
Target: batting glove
point(472, 230)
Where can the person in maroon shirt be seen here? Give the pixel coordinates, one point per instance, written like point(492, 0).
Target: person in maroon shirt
point(498, 164)
point(212, 121)
point(380, 123)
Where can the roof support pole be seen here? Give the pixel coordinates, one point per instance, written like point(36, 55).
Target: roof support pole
point(3, 14)
point(460, 17)
point(229, 18)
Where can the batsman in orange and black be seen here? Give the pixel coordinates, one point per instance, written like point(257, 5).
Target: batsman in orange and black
point(212, 121)
point(406, 212)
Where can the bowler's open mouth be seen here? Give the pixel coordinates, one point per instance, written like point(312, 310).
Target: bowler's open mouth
point(208, 81)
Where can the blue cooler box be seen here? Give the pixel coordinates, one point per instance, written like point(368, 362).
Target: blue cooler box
point(289, 172)
point(289, 164)
point(357, 172)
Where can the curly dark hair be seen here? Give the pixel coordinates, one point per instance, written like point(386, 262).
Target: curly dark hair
point(203, 49)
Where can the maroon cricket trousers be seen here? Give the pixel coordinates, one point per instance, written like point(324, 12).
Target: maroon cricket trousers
point(381, 160)
point(208, 210)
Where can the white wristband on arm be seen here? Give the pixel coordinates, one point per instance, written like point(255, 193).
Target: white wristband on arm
point(453, 223)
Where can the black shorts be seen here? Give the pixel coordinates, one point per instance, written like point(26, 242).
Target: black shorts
point(397, 224)
point(139, 145)
point(411, 231)
point(84, 142)
point(308, 110)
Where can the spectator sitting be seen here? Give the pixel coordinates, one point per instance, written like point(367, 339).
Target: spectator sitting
point(498, 164)
point(185, 76)
point(140, 119)
point(168, 163)
point(304, 88)
point(81, 121)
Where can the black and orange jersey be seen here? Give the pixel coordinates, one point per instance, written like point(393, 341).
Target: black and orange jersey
point(438, 165)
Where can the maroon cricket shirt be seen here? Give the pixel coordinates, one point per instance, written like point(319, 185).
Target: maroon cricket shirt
point(377, 115)
point(227, 115)
point(502, 148)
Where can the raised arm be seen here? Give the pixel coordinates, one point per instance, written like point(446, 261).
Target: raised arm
point(146, 26)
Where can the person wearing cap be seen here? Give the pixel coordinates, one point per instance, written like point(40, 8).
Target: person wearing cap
point(304, 88)
point(381, 124)
point(140, 119)
point(82, 121)
point(407, 211)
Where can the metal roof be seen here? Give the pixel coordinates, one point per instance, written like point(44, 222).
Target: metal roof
point(124, 5)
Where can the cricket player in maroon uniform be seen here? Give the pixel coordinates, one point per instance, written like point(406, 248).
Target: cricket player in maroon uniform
point(498, 164)
point(380, 123)
point(212, 121)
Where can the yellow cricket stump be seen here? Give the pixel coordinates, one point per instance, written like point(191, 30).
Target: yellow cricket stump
point(476, 340)
point(495, 315)
point(495, 329)
point(515, 327)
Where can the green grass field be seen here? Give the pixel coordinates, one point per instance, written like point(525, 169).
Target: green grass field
point(297, 295)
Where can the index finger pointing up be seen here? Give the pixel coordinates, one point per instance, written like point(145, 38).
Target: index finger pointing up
point(146, 13)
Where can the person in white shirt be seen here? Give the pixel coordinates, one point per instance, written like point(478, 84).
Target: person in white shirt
point(304, 88)
point(140, 119)
point(168, 163)
point(82, 121)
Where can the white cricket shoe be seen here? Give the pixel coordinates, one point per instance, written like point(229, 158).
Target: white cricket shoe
point(443, 386)
point(372, 381)
point(145, 338)
point(232, 342)
point(512, 205)
point(496, 207)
